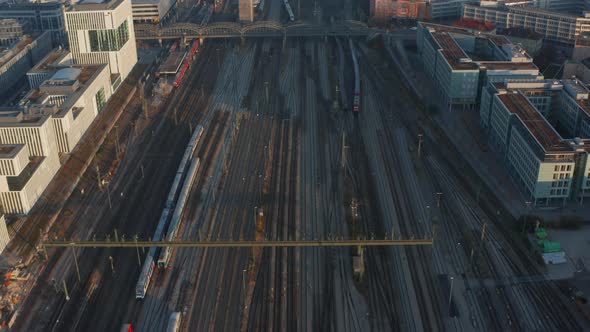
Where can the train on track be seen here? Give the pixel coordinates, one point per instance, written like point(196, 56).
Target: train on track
point(187, 63)
point(289, 10)
point(174, 193)
point(173, 322)
point(166, 252)
point(356, 101)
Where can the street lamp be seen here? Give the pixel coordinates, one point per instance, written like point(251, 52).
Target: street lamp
point(451, 294)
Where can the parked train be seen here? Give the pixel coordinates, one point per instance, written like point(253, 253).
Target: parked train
point(289, 10)
point(166, 252)
point(356, 101)
point(173, 322)
point(154, 252)
point(187, 62)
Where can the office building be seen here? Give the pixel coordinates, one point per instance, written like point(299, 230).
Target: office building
point(553, 26)
point(102, 32)
point(151, 10)
point(246, 10)
point(73, 96)
point(19, 57)
point(447, 55)
point(48, 122)
point(445, 9)
point(548, 168)
point(381, 11)
point(40, 17)
point(11, 31)
point(29, 159)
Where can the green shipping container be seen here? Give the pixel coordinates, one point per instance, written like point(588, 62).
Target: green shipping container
point(549, 246)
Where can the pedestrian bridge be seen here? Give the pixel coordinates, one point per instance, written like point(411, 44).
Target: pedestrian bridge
point(249, 30)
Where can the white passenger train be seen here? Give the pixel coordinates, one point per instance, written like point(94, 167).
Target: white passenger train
point(154, 253)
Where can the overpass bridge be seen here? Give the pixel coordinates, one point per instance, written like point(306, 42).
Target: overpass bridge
point(258, 29)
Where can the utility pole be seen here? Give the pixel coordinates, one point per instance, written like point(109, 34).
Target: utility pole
point(451, 294)
point(66, 290)
point(117, 147)
point(137, 248)
point(112, 265)
point(144, 103)
point(266, 89)
point(420, 136)
point(76, 263)
point(109, 197)
point(343, 147)
point(98, 176)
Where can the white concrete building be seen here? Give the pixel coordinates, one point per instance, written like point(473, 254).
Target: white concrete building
point(50, 121)
point(446, 53)
point(29, 158)
point(102, 32)
point(442, 9)
point(73, 96)
point(4, 236)
point(549, 168)
point(151, 10)
point(554, 26)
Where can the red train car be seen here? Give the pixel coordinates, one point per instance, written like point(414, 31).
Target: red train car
point(187, 62)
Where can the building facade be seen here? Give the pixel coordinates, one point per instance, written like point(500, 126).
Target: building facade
point(40, 17)
point(548, 168)
point(151, 10)
point(445, 9)
point(246, 10)
point(103, 33)
point(554, 26)
point(4, 236)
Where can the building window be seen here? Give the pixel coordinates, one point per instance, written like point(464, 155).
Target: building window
point(563, 168)
point(555, 176)
point(101, 100)
point(109, 40)
point(567, 175)
point(561, 176)
point(569, 168)
point(552, 191)
point(557, 168)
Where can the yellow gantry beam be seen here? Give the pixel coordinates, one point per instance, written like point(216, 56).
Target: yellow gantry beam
point(237, 244)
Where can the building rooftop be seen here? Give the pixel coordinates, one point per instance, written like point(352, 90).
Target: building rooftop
point(507, 65)
point(7, 53)
point(522, 33)
point(459, 60)
point(8, 151)
point(456, 57)
point(51, 59)
point(172, 63)
point(475, 25)
point(17, 183)
point(92, 5)
point(535, 122)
